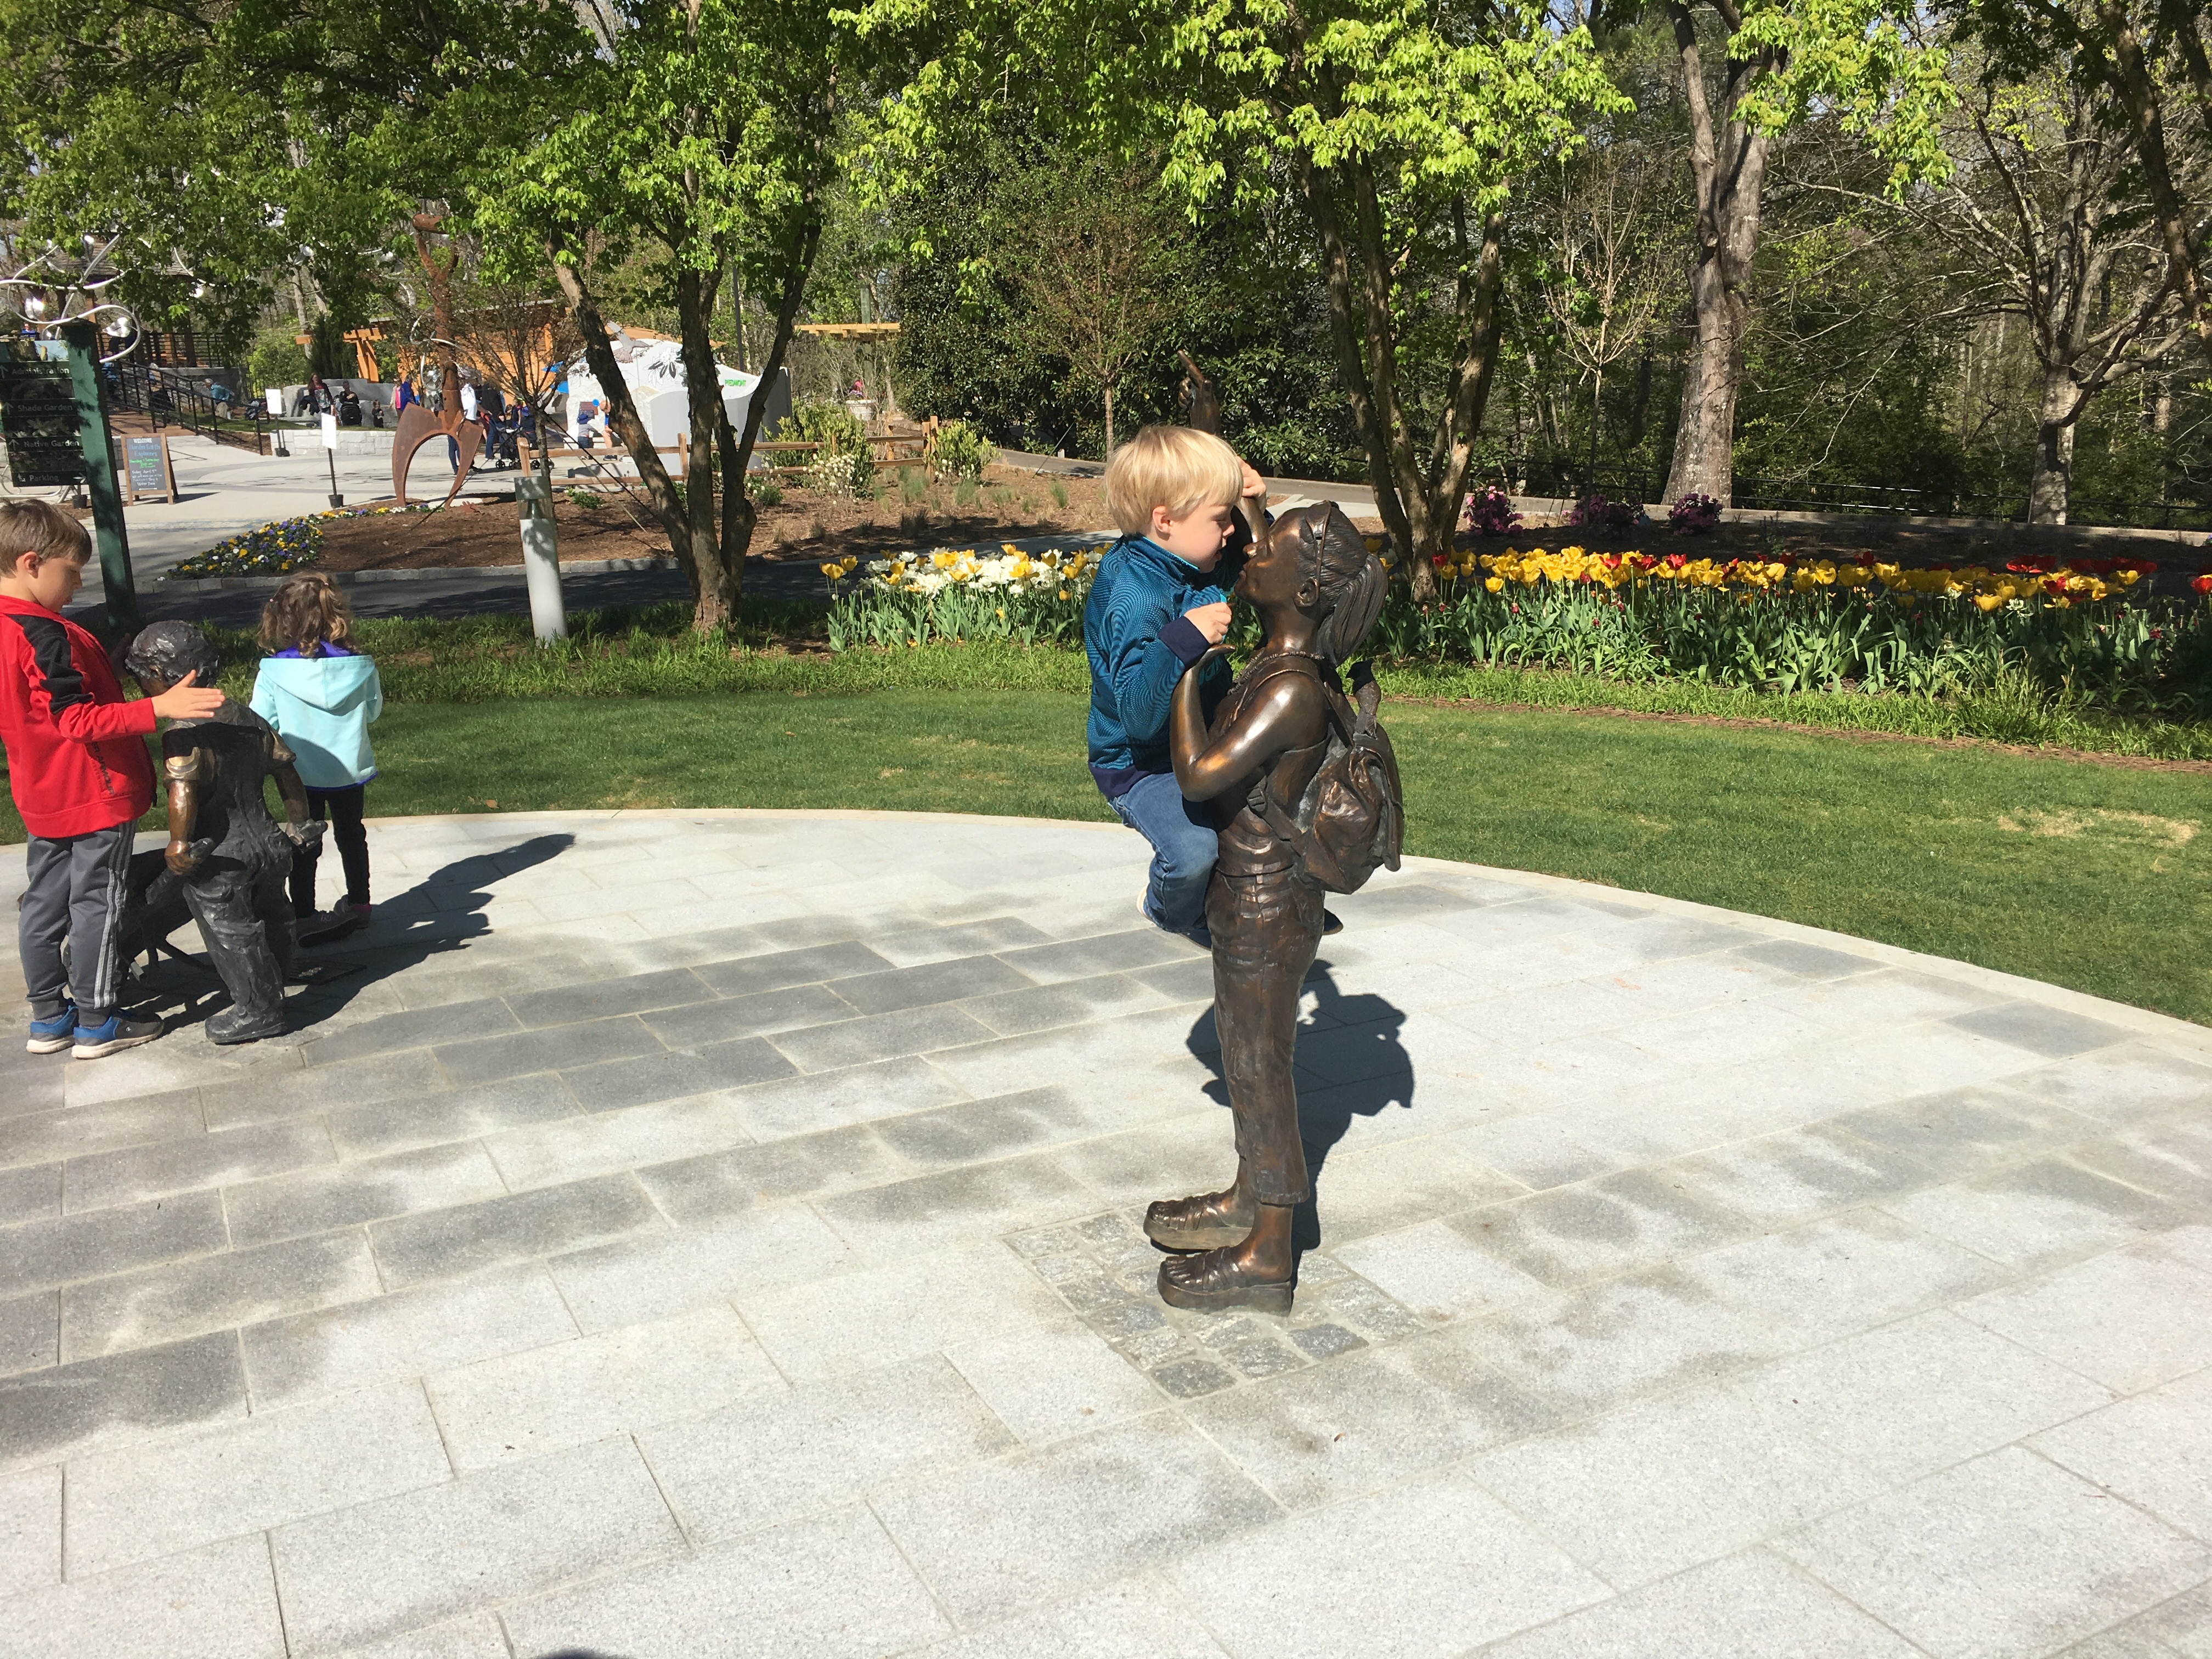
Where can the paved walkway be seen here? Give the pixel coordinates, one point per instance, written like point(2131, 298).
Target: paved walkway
point(714, 1234)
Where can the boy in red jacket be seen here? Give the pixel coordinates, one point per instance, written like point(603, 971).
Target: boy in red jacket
point(78, 769)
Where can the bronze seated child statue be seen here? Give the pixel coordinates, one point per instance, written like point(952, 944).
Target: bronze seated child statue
point(1308, 793)
point(227, 859)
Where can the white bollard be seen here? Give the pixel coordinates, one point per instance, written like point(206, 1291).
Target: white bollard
point(541, 557)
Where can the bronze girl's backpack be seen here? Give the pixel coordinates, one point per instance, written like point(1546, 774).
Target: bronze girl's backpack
point(1351, 820)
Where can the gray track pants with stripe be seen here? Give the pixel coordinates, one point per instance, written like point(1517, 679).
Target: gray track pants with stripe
point(75, 891)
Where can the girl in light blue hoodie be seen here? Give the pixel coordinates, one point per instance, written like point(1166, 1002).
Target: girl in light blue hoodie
point(321, 695)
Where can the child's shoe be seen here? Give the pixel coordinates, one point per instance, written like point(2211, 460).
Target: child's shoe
point(361, 913)
point(51, 1037)
point(112, 1036)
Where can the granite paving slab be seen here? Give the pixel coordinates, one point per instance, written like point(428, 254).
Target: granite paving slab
point(699, 1232)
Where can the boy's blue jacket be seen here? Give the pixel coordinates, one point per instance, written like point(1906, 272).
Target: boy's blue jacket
point(1139, 645)
point(321, 706)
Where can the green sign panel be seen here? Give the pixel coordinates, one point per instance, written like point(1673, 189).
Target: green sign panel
point(39, 424)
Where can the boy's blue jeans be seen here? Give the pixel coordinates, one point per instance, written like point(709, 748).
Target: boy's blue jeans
point(1184, 849)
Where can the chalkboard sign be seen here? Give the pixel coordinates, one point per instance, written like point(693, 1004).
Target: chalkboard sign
point(147, 471)
point(39, 424)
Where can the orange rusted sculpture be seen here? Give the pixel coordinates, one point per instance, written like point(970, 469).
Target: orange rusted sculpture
point(418, 425)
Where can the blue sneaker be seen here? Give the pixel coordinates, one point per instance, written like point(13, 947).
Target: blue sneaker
point(113, 1036)
point(51, 1037)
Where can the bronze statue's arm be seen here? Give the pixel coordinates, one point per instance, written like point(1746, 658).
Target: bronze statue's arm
point(182, 774)
point(290, 789)
point(1288, 715)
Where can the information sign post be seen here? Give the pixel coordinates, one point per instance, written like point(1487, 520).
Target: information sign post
point(90, 388)
point(331, 455)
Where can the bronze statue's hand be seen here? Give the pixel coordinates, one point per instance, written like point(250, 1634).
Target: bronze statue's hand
point(184, 857)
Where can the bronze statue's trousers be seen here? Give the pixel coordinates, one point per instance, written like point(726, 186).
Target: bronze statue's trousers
point(1266, 929)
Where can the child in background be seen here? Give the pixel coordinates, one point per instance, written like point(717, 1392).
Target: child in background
point(78, 769)
point(321, 695)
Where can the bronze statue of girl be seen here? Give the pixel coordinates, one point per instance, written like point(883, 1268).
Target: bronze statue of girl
point(1318, 590)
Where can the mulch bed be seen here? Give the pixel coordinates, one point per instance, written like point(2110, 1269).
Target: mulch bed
point(1010, 503)
point(806, 526)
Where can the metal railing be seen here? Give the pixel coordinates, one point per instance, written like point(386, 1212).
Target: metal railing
point(168, 398)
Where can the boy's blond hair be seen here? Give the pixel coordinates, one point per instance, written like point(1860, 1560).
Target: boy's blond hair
point(1173, 467)
point(42, 528)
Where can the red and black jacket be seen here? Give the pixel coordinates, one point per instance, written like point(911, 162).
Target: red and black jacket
point(77, 757)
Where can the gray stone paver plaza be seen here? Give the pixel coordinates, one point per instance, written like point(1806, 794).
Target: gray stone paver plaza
point(716, 1234)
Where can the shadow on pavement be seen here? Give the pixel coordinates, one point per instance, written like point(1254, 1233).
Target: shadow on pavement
point(427, 919)
point(1325, 1114)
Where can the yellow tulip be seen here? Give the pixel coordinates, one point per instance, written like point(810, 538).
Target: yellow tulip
point(1495, 584)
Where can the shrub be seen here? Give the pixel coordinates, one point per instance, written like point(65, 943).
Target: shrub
point(1489, 511)
point(586, 499)
point(1693, 515)
point(768, 493)
point(1598, 511)
point(962, 450)
point(834, 427)
point(275, 358)
point(838, 472)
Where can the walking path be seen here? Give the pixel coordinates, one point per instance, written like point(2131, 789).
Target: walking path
point(702, 1234)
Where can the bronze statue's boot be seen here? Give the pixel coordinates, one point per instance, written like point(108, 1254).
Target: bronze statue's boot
point(1217, 1280)
point(1203, 1223)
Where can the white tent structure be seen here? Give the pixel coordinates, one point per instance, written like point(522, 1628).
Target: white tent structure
point(654, 371)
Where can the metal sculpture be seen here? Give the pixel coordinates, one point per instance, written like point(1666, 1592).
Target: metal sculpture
point(227, 859)
point(418, 425)
point(1310, 804)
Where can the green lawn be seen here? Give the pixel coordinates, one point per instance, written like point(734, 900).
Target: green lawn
point(2092, 876)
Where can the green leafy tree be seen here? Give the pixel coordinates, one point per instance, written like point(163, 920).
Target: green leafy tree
point(2155, 59)
point(1779, 61)
point(706, 134)
point(1401, 127)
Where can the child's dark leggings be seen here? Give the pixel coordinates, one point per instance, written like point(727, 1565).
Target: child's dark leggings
point(342, 808)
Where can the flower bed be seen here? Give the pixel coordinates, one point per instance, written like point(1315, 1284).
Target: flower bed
point(2082, 630)
point(276, 549)
point(959, 594)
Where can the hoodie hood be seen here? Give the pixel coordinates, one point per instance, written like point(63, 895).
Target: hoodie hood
point(336, 685)
point(322, 707)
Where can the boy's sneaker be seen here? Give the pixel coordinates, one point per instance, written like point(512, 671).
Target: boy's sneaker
point(51, 1037)
point(361, 913)
point(112, 1036)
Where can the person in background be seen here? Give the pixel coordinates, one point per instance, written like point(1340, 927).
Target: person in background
point(78, 769)
point(322, 695)
point(403, 396)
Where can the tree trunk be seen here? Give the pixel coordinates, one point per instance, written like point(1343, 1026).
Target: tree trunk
point(2054, 448)
point(1729, 161)
point(713, 596)
point(660, 492)
point(2185, 266)
point(737, 316)
point(739, 515)
point(1109, 419)
point(440, 279)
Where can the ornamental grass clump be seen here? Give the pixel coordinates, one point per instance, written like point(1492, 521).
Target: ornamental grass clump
point(957, 595)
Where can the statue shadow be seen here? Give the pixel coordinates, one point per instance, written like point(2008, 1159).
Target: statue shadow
point(443, 912)
point(1363, 1030)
